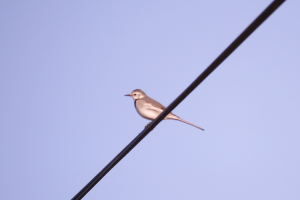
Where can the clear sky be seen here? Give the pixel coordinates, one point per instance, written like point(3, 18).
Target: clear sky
point(66, 66)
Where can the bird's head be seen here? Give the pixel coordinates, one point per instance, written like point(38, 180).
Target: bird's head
point(136, 94)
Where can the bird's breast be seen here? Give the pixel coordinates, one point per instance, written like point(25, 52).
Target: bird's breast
point(143, 109)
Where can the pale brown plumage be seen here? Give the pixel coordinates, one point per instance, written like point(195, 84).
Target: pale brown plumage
point(149, 108)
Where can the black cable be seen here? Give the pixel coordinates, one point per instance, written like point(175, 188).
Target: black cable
point(259, 20)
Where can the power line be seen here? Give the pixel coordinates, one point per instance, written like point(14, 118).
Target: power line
point(243, 36)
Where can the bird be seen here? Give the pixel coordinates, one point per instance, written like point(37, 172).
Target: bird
point(150, 109)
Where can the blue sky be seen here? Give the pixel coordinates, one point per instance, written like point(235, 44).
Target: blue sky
point(66, 66)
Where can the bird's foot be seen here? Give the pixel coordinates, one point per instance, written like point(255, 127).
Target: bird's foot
point(147, 125)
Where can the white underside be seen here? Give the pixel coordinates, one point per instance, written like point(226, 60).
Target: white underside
point(148, 114)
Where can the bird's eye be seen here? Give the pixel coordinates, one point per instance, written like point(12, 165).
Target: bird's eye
point(134, 94)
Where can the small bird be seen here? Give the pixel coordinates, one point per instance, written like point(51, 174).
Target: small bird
point(150, 109)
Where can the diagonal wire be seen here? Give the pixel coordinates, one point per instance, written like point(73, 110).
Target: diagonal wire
point(252, 27)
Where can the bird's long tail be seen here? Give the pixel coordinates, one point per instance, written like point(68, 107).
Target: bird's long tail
point(175, 117)
point(190, 124)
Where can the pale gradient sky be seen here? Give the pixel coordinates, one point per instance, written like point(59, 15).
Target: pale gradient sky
point(66, 66)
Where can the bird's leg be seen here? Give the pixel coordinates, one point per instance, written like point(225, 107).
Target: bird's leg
point(147, 125)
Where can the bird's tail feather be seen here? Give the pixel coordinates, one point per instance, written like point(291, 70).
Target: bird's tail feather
point(190, 124)
point(175, 117)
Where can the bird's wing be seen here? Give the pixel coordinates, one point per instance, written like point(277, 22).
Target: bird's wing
point(156, 106)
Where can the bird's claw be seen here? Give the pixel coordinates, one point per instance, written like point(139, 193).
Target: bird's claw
point(147, 125)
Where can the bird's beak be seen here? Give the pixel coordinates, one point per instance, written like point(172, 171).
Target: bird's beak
point(127, 95)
